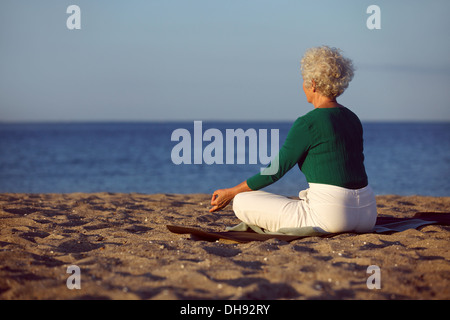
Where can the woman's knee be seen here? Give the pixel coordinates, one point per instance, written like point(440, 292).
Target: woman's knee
point(239, 201)
point(248, 198)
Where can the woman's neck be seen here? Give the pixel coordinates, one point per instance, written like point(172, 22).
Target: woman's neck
point(324, 102)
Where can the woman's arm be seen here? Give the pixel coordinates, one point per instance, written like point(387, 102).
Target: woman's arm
point(292, 152)
point(222, 197)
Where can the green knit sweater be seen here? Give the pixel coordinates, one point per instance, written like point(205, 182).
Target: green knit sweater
point(327, 145)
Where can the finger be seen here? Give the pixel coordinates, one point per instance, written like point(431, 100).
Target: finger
point(214, 197)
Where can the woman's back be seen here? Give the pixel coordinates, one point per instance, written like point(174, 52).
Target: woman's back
point(335, 155)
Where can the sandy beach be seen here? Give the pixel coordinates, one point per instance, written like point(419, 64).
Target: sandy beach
point(124, 251)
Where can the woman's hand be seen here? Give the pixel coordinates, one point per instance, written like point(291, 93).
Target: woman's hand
point(222, 197)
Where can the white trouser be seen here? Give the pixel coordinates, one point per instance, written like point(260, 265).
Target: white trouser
point(330, 208)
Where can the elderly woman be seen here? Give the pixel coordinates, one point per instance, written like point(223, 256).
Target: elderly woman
point(327, 145)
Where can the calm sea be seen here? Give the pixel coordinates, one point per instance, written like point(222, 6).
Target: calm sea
point(401, 158)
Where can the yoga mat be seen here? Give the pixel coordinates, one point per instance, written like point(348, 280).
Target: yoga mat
point(245, 233)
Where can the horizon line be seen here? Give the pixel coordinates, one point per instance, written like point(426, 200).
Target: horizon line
point(18, 122)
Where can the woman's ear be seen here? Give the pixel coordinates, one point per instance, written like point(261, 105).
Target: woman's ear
point(313, 85)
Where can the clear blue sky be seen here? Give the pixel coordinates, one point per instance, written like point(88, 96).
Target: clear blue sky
point(217, 59)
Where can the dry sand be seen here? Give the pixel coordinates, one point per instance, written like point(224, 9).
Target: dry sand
point(124, 251)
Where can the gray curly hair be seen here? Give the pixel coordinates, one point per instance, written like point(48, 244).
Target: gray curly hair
point(329, 69)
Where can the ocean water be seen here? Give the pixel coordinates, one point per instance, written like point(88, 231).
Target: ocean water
point(400, 158)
